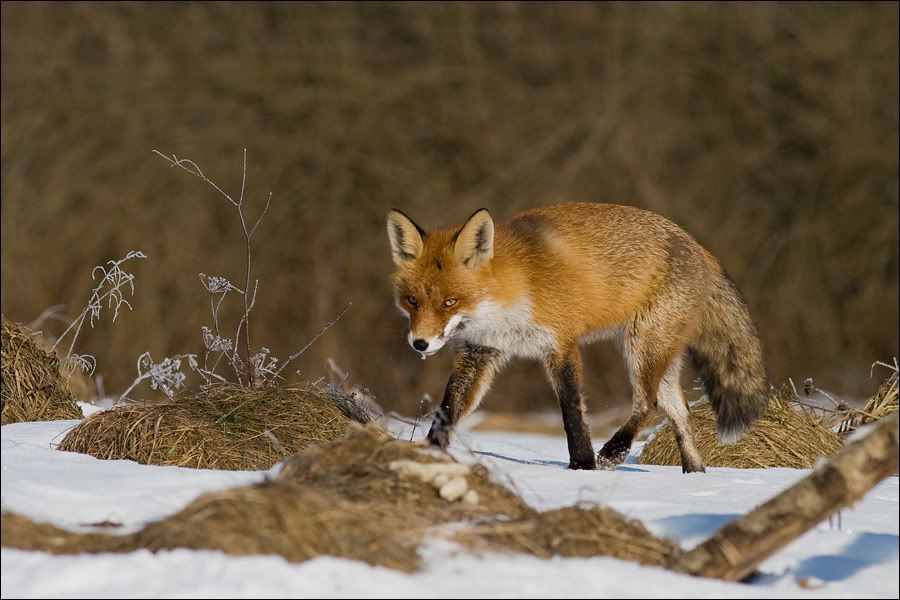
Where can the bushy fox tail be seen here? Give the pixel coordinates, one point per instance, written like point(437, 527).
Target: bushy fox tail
point(727, 352)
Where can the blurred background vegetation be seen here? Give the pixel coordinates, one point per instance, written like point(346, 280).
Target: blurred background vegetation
point(769, 131)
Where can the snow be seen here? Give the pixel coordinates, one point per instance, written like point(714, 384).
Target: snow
point(854, 556)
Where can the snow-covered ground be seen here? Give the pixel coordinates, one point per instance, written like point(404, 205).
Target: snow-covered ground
point(857, 557)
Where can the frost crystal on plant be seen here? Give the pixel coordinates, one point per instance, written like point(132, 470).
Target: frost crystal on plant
point(113, 282)
point(216, 284)
point(215, 343)
point(165, 376)
point(86, 362)
point(117, 279)
point(264, 367)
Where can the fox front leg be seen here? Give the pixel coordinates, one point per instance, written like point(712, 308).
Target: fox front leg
point(564, 371)
point(474, 368)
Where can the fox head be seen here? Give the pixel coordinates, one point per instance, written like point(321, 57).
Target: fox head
point(438, 280)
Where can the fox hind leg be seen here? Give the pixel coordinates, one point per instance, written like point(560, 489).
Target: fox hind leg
point(672, 403)
point(648, 349)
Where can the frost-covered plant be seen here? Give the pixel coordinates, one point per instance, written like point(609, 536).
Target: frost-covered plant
point(166, 376)
point(260, 369)
point(115, 282)
point(243, 367)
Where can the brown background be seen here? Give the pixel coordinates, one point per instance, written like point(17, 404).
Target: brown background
point(769, 131)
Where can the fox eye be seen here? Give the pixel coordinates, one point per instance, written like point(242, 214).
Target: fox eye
point(449, 302)
point(412, 300)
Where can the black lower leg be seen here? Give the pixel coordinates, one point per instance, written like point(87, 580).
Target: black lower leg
point(439, 434)
point(568, 390)
point(616, 448)
point(473, 369)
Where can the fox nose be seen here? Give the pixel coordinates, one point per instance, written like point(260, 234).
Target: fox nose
point(420, 345)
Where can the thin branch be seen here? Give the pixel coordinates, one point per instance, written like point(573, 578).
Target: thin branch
point(262, 214)
point(192, 168)
point(893, 367)
point(312, 341)
point(51, 312)
point(245, 319)
point(243, 178)
point(426, 397)
point(181, 162)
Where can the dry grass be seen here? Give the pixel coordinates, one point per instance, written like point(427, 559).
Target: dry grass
point(358, 468)
point(220, 426)
point(782, 437)
point(880, 405)
point(348, 499)
point(602, 424)
point(32, 388)
point(296, 522)
point(19, 531)
point(573, 531)
point(270, 518)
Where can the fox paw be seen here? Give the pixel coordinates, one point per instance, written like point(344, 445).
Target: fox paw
point(690, 467)
point(439, 438)
point(587, 464)
point(606, 464)
point(612, 454)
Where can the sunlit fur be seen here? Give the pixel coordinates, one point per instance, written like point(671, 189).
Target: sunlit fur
point(551, 278)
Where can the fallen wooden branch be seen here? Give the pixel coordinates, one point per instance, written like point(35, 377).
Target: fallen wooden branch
point(738, 548)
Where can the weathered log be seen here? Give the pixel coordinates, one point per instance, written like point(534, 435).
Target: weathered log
point(740, 546)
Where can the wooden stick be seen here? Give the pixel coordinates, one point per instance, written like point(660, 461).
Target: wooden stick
point(740, 546)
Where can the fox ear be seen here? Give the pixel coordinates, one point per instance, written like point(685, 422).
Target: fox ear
point(407, 238)
point(474, 243)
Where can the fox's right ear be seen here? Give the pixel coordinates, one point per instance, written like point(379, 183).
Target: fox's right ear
point(407, 238)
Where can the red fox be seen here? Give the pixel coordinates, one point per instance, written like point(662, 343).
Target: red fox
point(556, 277)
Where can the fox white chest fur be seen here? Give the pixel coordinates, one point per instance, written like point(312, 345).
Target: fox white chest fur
point(508, 329)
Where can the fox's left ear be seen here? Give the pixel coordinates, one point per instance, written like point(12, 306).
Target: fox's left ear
point(474, 243)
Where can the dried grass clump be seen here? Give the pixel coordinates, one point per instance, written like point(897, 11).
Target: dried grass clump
point(294, 521)
point(363, 467)
point(220, 426)
point(782, 437)
point(32, 389)
point(315, 507)
point(348, 498)
point(883, 403)
point(19, 531)
point(574, 531)
point(280, 518)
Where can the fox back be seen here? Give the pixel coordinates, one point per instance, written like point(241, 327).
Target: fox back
point(552, 278)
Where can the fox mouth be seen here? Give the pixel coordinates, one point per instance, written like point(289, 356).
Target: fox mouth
point(426, 353)
point(452, 329)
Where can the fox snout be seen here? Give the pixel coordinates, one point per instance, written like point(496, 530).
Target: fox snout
point(426, 345)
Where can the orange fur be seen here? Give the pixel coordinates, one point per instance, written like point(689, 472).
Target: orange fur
point(554, 277)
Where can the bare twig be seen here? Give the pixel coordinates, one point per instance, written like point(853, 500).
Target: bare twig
point(51, 312)
point(312, 341)
point(426, 397)
point(235, 361)
point(878, 363)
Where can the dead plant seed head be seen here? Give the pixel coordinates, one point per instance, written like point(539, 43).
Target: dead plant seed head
point(259, 369)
